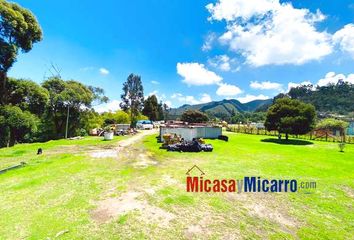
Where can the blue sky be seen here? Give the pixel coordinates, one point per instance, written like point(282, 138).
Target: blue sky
point(193, 51)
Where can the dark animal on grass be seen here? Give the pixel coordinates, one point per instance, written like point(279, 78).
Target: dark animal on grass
point(39, 151)
point(224, 138)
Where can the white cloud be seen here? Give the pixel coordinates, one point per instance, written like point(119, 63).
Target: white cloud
point(232, 9)
point(223, 63)
point(269, 32)
point(294, 85)
point(176, 95)
point(204, 98)
point(330, 78)
point(345, 38)
point(160, 97)
point(168, 103)
point(267, 85)
point(333, 78)
point(155, 92)
point(209, 40)
point(111, 106)
point(249, 98)
point(104, 71)
point(228, 90)
point(155, 82)
point(197, 74)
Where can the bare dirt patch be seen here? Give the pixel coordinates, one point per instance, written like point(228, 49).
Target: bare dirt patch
point(114, 151)
point(104, 154)
point(265, 206)
point(112, 208)
point(169, 180)
point(144, 160)
point(348, 191)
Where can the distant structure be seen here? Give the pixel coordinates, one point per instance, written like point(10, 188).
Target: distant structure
point(190, 131)
point(350, 130)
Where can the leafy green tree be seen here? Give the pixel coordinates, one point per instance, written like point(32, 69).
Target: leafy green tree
point(166, 110)
point(194, 116)
point(151, 108)
point(160, 111)
point(64, 97)
point(118, 117)
point(334, 98)
point(141, 116)
point(332, 123)
point(290, 116)
point(90, 119)
point(301, 91)
point(27, 95)
point(99, 95)
point(133, 97)
point(15, 124)
point(19, 30)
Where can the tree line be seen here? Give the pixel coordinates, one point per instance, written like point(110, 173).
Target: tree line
point(56, 108)
point(332, 98)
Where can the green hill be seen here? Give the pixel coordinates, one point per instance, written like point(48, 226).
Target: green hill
point(224, 108)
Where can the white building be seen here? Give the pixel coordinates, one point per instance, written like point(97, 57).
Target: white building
point(188, 132)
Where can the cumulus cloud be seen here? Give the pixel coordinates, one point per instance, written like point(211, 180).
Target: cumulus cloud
point(104, 71)
point(269, 32)
point(345, 39)
point(333, 78)
point(249, 98)
point(223, 63)
point(228, 90)
point(197, 74)
point(168, 103)
point(209, 40)
point(294, 85)
point(155, 92)
point(204, 98)
point(267, 85)
point(111, 106)
point(176, 95)
point(330, 78)
point(160, 97)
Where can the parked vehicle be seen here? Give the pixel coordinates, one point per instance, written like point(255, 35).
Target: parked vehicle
point(144, 124)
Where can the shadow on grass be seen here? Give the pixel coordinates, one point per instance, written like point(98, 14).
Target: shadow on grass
point(287, 142)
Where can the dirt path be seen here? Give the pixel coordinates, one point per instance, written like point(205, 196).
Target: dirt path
point(113, 152)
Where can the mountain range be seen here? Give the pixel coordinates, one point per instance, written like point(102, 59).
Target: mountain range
point(224, 108)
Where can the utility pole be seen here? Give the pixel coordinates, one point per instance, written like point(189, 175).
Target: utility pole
point(67, 123)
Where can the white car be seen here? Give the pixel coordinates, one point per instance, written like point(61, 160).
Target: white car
point(144, 124)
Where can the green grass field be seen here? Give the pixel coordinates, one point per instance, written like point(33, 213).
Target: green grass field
point(141, 193)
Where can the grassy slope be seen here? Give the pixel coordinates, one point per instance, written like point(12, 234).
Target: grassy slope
point(27, 152)
point(326, 213)
point(57, 191)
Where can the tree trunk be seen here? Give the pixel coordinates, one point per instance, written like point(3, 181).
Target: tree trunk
point(2, 88)
point(12, 139)
point(287, 136)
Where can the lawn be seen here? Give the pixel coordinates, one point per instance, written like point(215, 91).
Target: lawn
point(141, 194)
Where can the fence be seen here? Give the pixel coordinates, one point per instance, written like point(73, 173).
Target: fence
point(310, 136)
